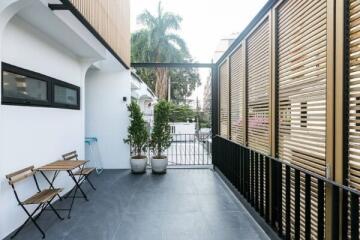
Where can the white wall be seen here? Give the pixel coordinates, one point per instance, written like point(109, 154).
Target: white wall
point(107, 116)
point(35, 135)
point(183, 127)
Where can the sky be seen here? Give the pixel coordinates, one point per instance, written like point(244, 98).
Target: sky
point(204, 23)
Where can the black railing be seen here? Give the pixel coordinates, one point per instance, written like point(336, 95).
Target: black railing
point(190, 149)
point(186, 149)
point(290, 199)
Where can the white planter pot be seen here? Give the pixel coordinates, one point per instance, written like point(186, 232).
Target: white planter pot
point(138, 165)
point(159, 165)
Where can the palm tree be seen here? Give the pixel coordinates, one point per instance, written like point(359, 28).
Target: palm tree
point(158, 42)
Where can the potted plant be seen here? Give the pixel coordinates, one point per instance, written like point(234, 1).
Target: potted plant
point(160, 137)
point(137, 139)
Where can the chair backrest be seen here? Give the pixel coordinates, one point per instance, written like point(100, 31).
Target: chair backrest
point(70, 156)
point(20, 175)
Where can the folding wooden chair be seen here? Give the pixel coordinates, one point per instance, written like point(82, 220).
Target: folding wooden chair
point(83, 171)
point(42, 198)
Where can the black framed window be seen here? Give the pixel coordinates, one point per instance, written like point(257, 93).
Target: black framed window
point(23, 87)
point(66, 95)
point(28, 88)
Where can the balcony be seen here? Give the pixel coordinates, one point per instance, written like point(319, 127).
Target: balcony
point(286, 124)
point(182, 204)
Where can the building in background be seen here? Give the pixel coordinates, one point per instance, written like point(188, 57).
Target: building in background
point(144, 96)
point(222, 46)
point(64, 76)
point(207, 99)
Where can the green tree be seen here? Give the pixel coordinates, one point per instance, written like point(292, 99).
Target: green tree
point(158, 42)
point(183, 82)
point(160, 136)
point(181, 113)
point(137, 133)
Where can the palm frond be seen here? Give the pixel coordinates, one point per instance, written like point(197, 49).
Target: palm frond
point(174, 38)
point(171, 21)
point(147, 19)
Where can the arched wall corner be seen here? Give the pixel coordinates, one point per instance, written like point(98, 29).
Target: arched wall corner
point(106, 115)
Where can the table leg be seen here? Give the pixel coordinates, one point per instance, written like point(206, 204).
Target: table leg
point(72, 203)
point(51, 183)
point(77, 185)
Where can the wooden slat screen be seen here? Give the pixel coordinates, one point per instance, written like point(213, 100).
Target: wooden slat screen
point(302, 49)
point(258, 88)
point(354, 94)
point(302, 83)
point(306, 80)
point(354, 100)
point(224, 99)
point(258, 79)
point(111, 19)
point(237, 78)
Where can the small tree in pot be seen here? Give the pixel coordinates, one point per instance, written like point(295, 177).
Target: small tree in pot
point(160, 136)
point(137, 139)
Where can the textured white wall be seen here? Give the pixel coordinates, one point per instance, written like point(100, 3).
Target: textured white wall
point(107, 116)
point(35, 135)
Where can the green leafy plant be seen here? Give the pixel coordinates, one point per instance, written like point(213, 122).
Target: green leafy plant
point(137, 132)
point(160, 136)
point(181, 113)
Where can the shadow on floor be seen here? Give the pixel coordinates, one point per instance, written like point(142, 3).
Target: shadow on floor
point(182, 204)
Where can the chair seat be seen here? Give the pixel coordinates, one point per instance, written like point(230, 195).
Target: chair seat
point(43, 196)
point(84, 171)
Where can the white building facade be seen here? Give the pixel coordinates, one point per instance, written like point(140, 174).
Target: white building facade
point(59, 84)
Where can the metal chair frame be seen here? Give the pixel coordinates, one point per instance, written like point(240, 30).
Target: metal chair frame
point(74, 156)
point(41, 206)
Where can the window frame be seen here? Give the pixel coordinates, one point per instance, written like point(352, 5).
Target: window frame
point(50, 91)
point(69, 86)
point(26, 73)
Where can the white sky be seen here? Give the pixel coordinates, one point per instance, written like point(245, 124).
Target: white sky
point(204, 23)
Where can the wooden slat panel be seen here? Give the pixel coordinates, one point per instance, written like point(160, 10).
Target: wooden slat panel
point(354, 101)
point(111, 19)
point(258, 88)
point(224, 99)
point(237, 79)
point(302, 66)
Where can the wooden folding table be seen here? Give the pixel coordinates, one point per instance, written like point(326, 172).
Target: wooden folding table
point(68, 166)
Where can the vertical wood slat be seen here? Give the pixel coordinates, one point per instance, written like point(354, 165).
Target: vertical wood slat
point(331, 219)
point(111, 19)
point(341, 108)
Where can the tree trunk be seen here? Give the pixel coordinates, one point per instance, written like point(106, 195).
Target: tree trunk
point(161, 85)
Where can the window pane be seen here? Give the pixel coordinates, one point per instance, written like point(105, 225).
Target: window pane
point(21, 87)
point(65, 95)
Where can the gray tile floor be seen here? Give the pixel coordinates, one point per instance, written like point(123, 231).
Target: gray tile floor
point(182, 204)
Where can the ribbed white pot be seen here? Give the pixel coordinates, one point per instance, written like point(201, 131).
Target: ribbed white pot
point(159, 165)
point(138, 165)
